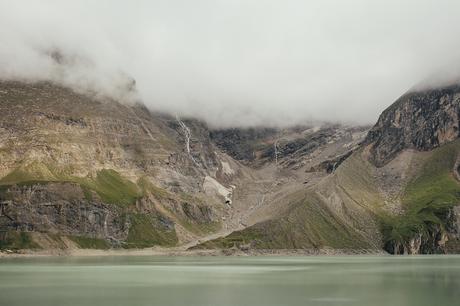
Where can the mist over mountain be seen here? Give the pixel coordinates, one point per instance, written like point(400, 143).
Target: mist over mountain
point(236, 63)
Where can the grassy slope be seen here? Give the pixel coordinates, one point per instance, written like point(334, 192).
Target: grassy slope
point(144, 232)
point(427, 198)
point(111, 187)
point(90, 243)
point(427, 201)
point(315, 221)
point(311, 222)
point(308, 225)
point(354, 181)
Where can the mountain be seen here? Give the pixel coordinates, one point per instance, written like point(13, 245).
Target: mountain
point(76, 170)
point(421, 120)
point(416, 140)
point(398, 190)
point(82, 171)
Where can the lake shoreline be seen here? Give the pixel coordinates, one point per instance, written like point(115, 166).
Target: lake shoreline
point(178, 252)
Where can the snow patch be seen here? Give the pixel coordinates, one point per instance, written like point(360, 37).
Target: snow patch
point(211, 186)
point(227, 169)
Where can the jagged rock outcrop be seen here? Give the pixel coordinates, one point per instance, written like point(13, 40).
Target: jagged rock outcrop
point(243, 144)
point(62, 208)
point(288, 147)
point(331, 165)
point(422, 120)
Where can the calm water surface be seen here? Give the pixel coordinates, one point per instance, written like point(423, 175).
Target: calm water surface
point(232, 281)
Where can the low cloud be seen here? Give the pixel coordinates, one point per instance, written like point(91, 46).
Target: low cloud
point(237, 63)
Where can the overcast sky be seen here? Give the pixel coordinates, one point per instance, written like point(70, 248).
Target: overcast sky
point(236, 62)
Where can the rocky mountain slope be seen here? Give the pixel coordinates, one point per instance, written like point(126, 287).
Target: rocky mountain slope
point(398, 190)
point(81, 171)
point(76, 169)
point(421, 130)
point(422, 120)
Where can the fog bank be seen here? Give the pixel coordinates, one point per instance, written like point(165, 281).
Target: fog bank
point(237, 63)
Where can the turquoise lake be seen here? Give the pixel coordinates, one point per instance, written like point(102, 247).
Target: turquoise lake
point(231, 281)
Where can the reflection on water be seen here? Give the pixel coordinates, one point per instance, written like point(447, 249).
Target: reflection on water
point(232, 281)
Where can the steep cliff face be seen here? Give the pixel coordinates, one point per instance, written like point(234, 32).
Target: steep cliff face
point(425, 121)
point(63, 210)
point(291, 148)
point(421, 120)
point(243, 145)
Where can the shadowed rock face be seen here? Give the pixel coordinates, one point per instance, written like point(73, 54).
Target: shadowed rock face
point(62, 208)
point(288, 147)
point(242, 143)
point(420, 120)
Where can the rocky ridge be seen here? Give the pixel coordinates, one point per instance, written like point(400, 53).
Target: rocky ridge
point(422, 120)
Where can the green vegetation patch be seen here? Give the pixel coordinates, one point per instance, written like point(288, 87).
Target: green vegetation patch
point(201, 228)
point(254, 236)
point(198, 220)
point(307, 226)
point(150, 230)
point(90, 243)
point(427, 200)
point(111, 187)
point(357, 182)
point(147, 187)
point(13, 240)
point(32, 172)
